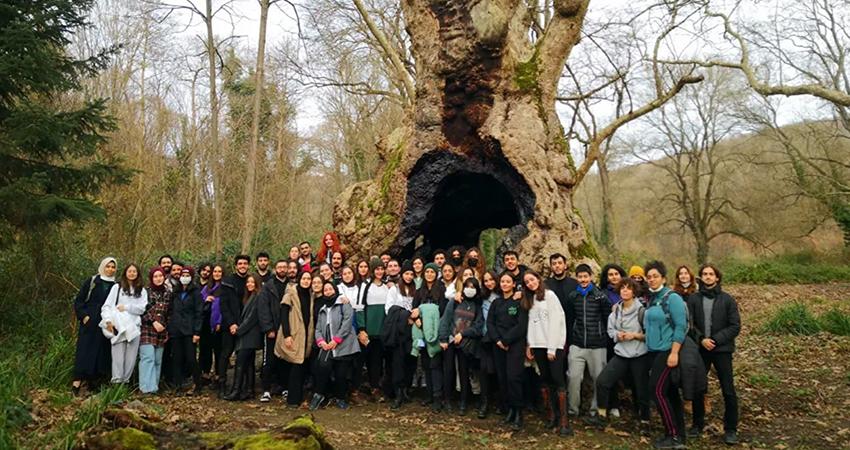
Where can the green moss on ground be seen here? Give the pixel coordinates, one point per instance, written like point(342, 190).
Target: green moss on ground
point(124, 439)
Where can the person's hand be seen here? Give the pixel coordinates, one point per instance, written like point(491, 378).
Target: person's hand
point(110, 328)
point(709, 344)
point(517, 295)
point(331, 345)
point(458, 297)
point(121, 308)
point(418, 323)
point(196, 339)
point(288, 342)
point(209, 299)
point(344, 300)
point(363, 338)
point(324, 346)
point(271, 335)
point(233, 329)
point(414, 313)
point(86, 320)
point(673, 360)
point(158, 327)
point(621, 336)
point(444, 345)
point(528, 354)
point(551, 356)
point(502, 346)
point(218, 328)
point(458, 338)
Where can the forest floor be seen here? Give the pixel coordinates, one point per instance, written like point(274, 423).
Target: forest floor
point(794, 392)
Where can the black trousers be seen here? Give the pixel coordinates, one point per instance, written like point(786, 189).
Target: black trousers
point(246, 360)
point(340, 370)
point(403, 367)
point(228, 345)
point(433, 366)
point(666, 395)
point(722, 363)
point(210, 346)
point(295, 383)
point(618, 369)
point(552, 373)
point(509, 369)
point(357, 364)
point(271, 372)
point(454, 357)
point(183, 360)
point(379, 364)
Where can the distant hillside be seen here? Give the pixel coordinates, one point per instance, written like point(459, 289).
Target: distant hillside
point(780, 219)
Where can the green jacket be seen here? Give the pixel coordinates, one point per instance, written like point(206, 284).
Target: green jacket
point(430, 315)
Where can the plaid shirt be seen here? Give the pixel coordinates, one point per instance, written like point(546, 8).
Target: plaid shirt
point(158, 310)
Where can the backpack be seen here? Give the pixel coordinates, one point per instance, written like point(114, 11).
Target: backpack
point(618, 309)
point(666, 308)
point(91, 289)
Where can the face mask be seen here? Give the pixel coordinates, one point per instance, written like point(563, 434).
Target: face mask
point(469, 292)
point(457, 261)
point(185, 280)
point(472, 262)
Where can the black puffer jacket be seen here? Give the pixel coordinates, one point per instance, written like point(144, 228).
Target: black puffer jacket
point(725, 319)
point(590, 318)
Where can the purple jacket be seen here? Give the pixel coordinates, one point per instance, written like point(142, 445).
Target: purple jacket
point(215, 308)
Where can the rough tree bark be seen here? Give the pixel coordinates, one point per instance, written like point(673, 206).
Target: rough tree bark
point(483, 115)
point(218, 196)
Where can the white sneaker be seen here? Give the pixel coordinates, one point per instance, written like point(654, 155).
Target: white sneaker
point(592, 413)
point(267, 397)
point(284, 394)
point(614, 413)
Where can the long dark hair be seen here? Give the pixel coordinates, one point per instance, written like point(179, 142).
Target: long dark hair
point(529, 296)
point(136, 285)
point(258, 283)
point(485, 293)
point(603, 275)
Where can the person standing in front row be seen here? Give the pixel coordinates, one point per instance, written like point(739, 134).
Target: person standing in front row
point(716, 324)
point(249, 338)
point(507, 325)
point(154, 334)
point(92, 359)
point(268, 314)
point(121, 320)
point(293, 341)
point(232, 292)
point(184, 330)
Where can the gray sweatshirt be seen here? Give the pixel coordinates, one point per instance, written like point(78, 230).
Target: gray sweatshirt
point(627, 320)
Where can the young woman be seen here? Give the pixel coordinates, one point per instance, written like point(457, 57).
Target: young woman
point(121, 320)
point(154, 335)
point(429, 303)
point(418, 267)
point(637, 275)
point(486, 365)
point(507, 325)
point(460, 331)
point(547, 336)
point(330, 244)
point(293, 343)
point(449, 281)
point(456, 256)
point(184, 329)
point(665, 324)
point(294, 253)
point(210, 344)
point(625, 328)
point(249, 338)
point(351, 288)
point(337, 347)
point(474, 261)
point(403, 364)
point(370, 323)
point(92, 359)
point(685, 284)
point(609, 279)
point(362, 271)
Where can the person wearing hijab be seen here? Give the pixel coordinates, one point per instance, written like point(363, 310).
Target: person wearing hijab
point(293, 342)
point(92, 360)
point(154, 334)
point(121, 321)
point(337, 345)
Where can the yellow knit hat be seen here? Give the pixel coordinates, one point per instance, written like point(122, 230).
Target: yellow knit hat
point(635, 271)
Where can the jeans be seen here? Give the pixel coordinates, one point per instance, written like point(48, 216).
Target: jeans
point(150, 367)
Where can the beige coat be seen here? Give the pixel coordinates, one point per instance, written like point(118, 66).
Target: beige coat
point(300, 348)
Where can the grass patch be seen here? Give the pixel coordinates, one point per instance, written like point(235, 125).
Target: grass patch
point(794, 318)
point(89, 415)
point(795, 268)
point(836, 322)
point(765, 380)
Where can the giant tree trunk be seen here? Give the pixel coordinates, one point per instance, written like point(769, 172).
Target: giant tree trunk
point(482, 147)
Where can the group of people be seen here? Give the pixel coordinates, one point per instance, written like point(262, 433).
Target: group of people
point(379, 328)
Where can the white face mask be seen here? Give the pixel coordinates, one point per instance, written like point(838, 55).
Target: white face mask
point(469, 292)
point(185, 280)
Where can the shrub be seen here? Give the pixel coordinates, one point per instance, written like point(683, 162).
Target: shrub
point(804, 267)
point(836, 322)
point(794, 318)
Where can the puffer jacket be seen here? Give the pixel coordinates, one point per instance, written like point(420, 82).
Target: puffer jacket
point(590, 315)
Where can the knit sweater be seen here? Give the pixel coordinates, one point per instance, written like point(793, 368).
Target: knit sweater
point(429, 333)
point(547, 324)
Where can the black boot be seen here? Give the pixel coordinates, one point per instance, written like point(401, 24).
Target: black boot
point(482, 408)
point(516, 424)
point(236, 389)
point(399, 398)
point(248, 391)
point(510, 417)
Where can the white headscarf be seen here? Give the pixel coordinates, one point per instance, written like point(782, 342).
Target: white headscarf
point(101, 269)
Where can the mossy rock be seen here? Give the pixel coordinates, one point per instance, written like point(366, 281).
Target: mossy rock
point(122, 439)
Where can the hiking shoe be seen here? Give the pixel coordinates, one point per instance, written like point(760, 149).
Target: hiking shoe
point(694, 433)
point(596, 421)
point(730, 438)
point(341, 404)
point(316, 402)
point(267, 397)
point(671, 442)
point(615, 413)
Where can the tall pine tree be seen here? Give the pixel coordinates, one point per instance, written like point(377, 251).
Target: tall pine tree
point(50, 168)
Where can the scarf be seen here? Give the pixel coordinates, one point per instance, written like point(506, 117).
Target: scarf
point(153, 287)
point(710, 292)
point(584, 291)
point(613, 295)
point(101, 269)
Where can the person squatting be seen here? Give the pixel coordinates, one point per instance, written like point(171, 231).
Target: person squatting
point(445, 328)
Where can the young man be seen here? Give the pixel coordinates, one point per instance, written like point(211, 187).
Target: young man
point(589, 338)
point(562, 284)
point(306, 257)
point(165, 263)
point(716, 324)
point(204, 273)
point(233, 289)
point(268, 314)
point(337, 260)
point(439, 258)
point(511, 261)
point(263, 262)
point(173, 284)
point(292, 270)
point(385, 259)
